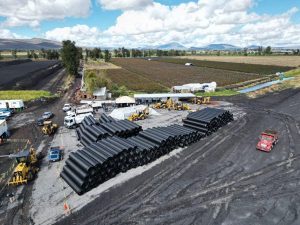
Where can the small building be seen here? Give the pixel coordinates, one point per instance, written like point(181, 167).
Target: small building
point(195, 87)
point(17, 105)
point(101, 94)
point(150, 98)
point(125, 101)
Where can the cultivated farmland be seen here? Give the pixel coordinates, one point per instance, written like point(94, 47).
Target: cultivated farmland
point(291, 61)
point(241, 67)
point(168, 75)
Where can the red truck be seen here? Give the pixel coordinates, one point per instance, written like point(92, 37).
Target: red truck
point(267, 140)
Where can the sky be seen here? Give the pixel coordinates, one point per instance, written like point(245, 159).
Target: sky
point(142, 23)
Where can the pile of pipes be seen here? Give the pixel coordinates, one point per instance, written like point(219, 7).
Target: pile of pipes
point(98, 162)
point(105, 158)
point(91, 131)
point(208, 120)
point(102, 160)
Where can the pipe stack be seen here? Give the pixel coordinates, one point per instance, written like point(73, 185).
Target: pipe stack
point(91, 131)
point(100, 161)
point(208, 120)
point(106, 156)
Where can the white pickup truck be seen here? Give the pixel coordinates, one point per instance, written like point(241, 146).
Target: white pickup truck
point(73, 119)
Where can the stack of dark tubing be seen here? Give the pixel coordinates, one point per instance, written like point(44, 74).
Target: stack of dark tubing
point(208, 120)
point(104, 158)
point(91, 131)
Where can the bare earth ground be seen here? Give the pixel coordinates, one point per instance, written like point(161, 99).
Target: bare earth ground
point(222, 179)
point(293, 61)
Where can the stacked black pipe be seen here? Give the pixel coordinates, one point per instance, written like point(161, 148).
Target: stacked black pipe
point(103, 158)
point(91, 131)
point(207, 120)
point(100, 161)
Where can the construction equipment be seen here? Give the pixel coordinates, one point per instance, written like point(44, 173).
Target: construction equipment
point(267, 140)
point(141, 115)
point(49, 127)
point(199, 100)
point(170, 104)
point(26, 168)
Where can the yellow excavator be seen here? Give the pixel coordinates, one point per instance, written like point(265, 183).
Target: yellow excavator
point(27, 166)
point(199, 100)
point(141, 115)
point(49, 127)
point(170, 104)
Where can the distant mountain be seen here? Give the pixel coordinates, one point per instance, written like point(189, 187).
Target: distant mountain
point(172, 45)
point(216, 47)
point(28, 44)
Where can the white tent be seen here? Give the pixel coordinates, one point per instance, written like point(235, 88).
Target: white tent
point(125, 100)
point(124, 113)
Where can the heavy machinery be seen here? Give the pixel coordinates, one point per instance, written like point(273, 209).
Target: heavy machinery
point(141, 115)
point(49, 127)
point(170, 104)
point(27, 166)
point(199, 100)
point(267, 140)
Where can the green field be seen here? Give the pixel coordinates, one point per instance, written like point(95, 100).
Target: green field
point(24, 95)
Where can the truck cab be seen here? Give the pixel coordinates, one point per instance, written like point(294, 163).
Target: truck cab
point(267, 140)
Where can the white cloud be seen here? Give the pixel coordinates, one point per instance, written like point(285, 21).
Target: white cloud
point(192, 24)
point(5, 33)
point(124, 4)
point(81, 34)
point(32, 12)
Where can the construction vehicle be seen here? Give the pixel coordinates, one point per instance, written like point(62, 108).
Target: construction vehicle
point(199, 100)
point(170, 104)
point(49, 127)
point(26, 168)
point(141, 115)
point(267, 140)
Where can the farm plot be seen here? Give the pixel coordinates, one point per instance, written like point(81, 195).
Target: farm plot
point(291, 61)
point(134, 81)
point(24, 71)
point(241, 67)
point(167, 74)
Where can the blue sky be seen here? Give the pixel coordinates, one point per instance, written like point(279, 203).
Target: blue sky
point(144, 22)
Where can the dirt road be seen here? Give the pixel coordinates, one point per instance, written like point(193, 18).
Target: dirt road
point(220, 180)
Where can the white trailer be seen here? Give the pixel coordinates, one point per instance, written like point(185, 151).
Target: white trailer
point(84, 109)
point(73, 120)
point(3, 129)
point(12, 104)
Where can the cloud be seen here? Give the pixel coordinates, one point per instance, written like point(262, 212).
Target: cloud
point(192, 24)
point(5, 33)
point(81, 34)
point(31, 13)
point(124, 4)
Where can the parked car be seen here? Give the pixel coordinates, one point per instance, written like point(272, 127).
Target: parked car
point(55, 154)
point(40, 121)
point(67, 107)
point(47, 115)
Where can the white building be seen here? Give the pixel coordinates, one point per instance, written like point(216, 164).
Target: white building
point(101, 94)
point(149, 98)
point(195, 87)
point(12, 104)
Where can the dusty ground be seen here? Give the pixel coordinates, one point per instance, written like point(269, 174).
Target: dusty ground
point(293, 61)
point(220, 180)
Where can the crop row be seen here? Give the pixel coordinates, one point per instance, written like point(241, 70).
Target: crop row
point(241, 67)
point(144, 75)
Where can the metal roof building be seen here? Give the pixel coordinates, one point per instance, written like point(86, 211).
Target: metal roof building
point(148, 98)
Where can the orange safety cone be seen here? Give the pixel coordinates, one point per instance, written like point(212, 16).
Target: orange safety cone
point(66, 208)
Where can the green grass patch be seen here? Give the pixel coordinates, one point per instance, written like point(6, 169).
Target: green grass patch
point(224, 92)
point(25, 95)
point(292, 73)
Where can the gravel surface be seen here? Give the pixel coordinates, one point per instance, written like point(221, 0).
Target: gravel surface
point(222, 179)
